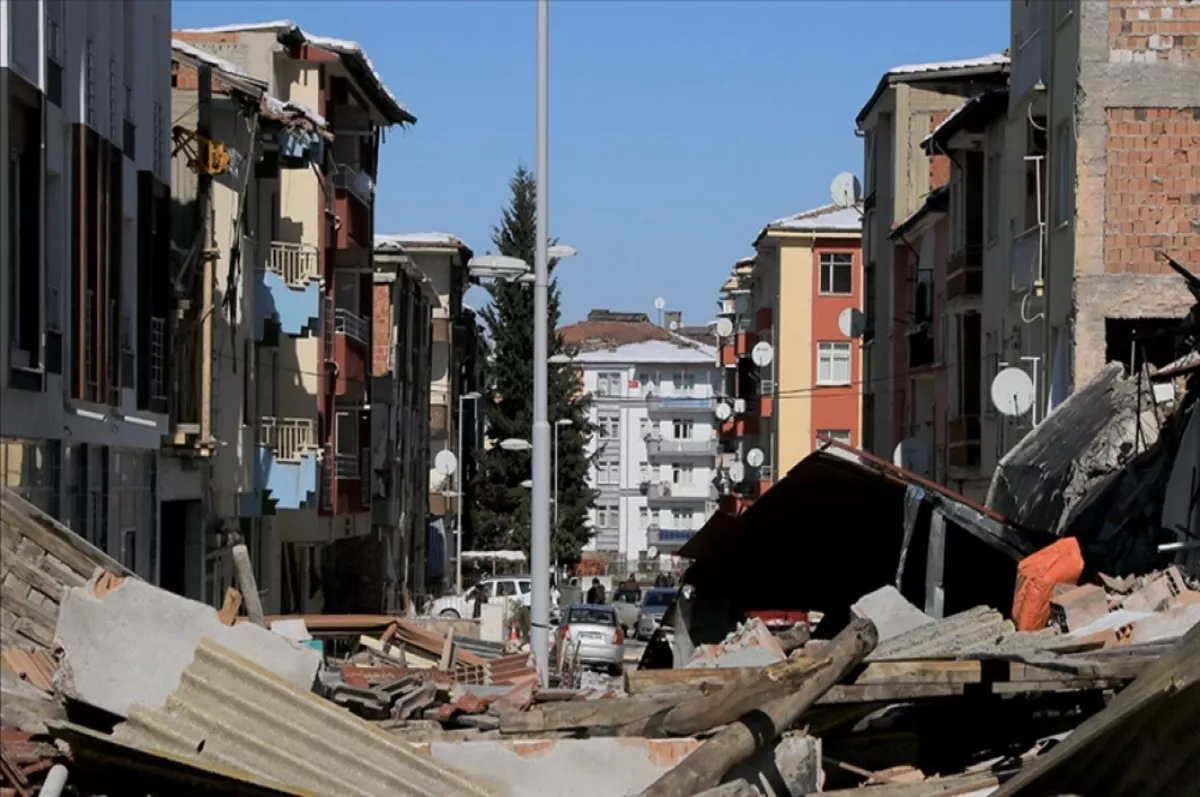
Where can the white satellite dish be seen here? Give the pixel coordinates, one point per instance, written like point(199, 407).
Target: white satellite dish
point(852, 322)
point(845, 190)
point(1012, 392)
point(762, 354)
point(912, 454)
point(660, 303)
point(737, 472)
point(445, 462)
point(754, 457)
point(674, 325)
point(723, 411)
point(724, 327)
point(652, 552)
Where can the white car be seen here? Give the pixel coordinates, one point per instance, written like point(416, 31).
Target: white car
point(496, 590)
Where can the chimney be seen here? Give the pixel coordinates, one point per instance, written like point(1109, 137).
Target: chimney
point(673, 319)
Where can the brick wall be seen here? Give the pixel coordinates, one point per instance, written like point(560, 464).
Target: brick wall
point(939, 165)
point(1154, 30)
point(381, 328)
point(1152, 188)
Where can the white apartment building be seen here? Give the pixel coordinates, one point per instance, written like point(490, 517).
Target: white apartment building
point(655, 447)
point(84, 218)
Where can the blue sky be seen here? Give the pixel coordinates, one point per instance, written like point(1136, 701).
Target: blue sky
point(677, 129)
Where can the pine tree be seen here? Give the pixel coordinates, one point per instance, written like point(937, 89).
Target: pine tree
point(501, 515)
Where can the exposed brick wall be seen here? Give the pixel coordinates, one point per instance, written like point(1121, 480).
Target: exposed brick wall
point(381, 328)
point(939, 165)
point(1154, 30)
point(1152, 189)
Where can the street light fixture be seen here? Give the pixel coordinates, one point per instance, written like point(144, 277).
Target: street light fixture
point(560, 251)
point(473, 395)
point(497, 267)
point(559, 359)
point(516, 444)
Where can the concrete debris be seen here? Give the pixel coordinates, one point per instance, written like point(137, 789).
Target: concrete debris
point(1077, 606)
point(751, 644)
point(891, 613)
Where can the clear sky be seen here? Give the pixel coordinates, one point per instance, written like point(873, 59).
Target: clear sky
point(677, 128)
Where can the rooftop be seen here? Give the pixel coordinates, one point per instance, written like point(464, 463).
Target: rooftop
point(827, 218)
point(353, 56)
point(974, 114)
point(608, 337)
point(417, 240)
point(985, 65)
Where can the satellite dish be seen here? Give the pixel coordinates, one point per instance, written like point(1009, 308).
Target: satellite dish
point(912, 454)
point(445, 462)
point(762, 354)
point(845, 190)
point(724, 327)
point(652, 552)
point(754, 457)
point(852, 322)
point(1012, 392)
point(723, 411)
point(674, 325)
point(737, 472)
point(660, 303)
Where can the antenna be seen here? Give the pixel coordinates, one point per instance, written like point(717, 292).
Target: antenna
point(762, 354)
point(445, 462)
point(737, 472)
point(852, 322)
point(723, 411)
point(724, 327)
point(845, 191)
point(1012, 392)
point(754, 457)
point(652, 552)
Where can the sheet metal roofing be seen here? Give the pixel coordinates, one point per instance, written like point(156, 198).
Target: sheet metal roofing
point(827, 218)
point(229, 712)
point(395, 111)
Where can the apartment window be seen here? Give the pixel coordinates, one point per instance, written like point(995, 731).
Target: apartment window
point(682, 474)
point(682, 430)
point(609, 424)
point(840, 435)
point(54, 57)
point(608, 516)
point(644, 472)
point(608, 472)
point(683, 520)
point(346, 433)
point(643, 518)
point(644, 427)
point(992, 194)
point(609, 383)
point(647, 381)
point(1063, 188)
point(686, 382)
point(837, 273)
point(833, 363)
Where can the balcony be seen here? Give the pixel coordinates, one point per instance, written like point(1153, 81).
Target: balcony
point(962, 443)
point(1031, 64)
point(345, 480)
point(288, 290)
point(286, 462)
point(357, 183)
point(439, 414)
point(964, 273)
point(668, 540)
point(1027, 259)
point(659, 448)
point(679, 406)
point(353, 211)
point(351, 324)
point(664, 494)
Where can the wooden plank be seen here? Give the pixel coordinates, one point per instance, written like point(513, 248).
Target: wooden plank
point(582, 714)
point(447, 659)
point(949, 672)
point(56, 539)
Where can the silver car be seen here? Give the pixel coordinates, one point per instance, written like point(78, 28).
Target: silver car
point(592, 635)
point(654, 605)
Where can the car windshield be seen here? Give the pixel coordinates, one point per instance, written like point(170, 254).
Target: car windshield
point(659, 598)
point(591, 615)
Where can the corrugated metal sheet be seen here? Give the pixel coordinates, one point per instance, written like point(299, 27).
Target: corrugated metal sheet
point(229, 711)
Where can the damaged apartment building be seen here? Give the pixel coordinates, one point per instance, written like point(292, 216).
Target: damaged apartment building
point(1018, 207)
point(85, 207)
point(276, 147)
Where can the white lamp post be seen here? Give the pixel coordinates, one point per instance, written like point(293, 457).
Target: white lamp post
point(458, 527)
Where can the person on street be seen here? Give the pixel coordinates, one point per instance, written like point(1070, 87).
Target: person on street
point(662, 580)
point(595, 595)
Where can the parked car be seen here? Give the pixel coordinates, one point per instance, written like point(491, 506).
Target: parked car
point(594, 634)
point(495, 590)
point(626, 602)
point(654, 605)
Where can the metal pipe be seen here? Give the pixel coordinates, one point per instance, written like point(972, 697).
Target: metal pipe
point(458, 534)
point(539, 623)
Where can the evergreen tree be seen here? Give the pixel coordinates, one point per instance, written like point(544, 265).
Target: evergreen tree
point(501, 515)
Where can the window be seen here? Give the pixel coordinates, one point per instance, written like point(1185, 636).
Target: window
point(643, 518)
point(346, 433)
point(644, 472)
point(506, 589)
point(646, 381)
point(608, 516)
point(608, 472)
point(608, 383)
point(833, 363)
point(837, 273)
point(687, 382)
point(644, 427)
point(681, 474)
point(681, 519)
point(992, 193)
point(609, 424)
point(1063, 188)
point(682, 430)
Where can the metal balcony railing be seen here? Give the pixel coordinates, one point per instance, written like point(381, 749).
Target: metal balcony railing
point(657, 446)
point(295, 264)
point(680, 493)
point(356, 182)
point(680, 405)
point(659, 536)
point(350, 324)
point(289, 438)
point(1027, 258)
point(346, 466)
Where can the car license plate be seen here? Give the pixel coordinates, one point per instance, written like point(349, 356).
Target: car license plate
point(591, 635)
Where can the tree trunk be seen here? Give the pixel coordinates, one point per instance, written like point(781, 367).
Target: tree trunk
point(705, 767)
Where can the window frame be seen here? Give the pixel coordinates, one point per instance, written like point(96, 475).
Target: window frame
point(829, 351)
point(679, 425)
point(828, 264)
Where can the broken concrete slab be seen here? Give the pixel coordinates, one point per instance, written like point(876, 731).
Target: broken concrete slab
point(1171, 624)
point(891, 613)
point(790, 769)
point(751, 644)
point(131, 646)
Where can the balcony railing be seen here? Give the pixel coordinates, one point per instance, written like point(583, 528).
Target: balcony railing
point(1027, 258)
point(358, 183)
point(289, 438)
point(680, 493)
point(158, 370)
point(680, 405)
point(295, 264)
point(668, 538)
point(350, 324)
point(1030, 64)
point(657, 446)
point(346, 466)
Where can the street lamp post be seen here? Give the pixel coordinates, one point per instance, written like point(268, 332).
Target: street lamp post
point(558, 427)
point(539, 624)
point(458, 526)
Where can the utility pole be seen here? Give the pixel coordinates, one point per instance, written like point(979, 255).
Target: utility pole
point(539, 624)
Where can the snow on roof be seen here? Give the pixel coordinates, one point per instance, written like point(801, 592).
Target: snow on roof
point(210, 59)
point(827, 218)
point(994, 59)
point(681, 351)
point(419, 239)
point(746, 261)
point(400, 113)
point(278, 106)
